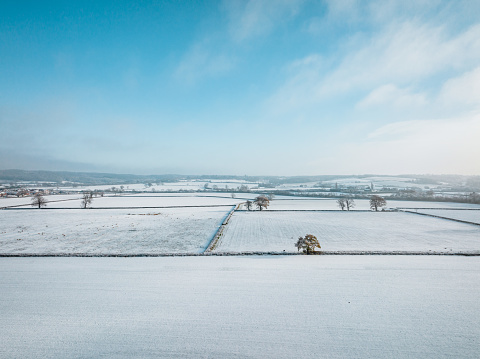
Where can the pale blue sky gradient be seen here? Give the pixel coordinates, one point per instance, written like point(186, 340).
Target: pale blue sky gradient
point(241, 87)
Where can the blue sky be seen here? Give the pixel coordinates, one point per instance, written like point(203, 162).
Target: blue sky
point(241, 87)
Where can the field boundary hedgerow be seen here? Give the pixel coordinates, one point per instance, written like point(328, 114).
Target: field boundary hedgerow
point(216, 237)
point(103, 208)
point(233, 254)
point(314, 210)
point(435, 216)
point(28, 204)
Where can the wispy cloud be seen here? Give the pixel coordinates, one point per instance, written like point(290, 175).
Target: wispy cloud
point(203, 60)
point(463, 90)
point(420, 146)
point(252, 18)
point(402, 55)
point(391, 95)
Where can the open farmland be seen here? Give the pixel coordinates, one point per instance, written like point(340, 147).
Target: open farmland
point(194, 185)
point(27, 201)
point(467, 215)
point(148, 201)
point(240, 307)
point(302, 204)
point(108, 231)
point(347, 231)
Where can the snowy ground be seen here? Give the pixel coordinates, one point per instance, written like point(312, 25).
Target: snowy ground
point(170, 186)
point(347, 231)
point(379, 182)
point(286, 203)
point(178, 230)
point(27, 201)
point(195, 194)
point(469, 215)
point(428, 204)
point(240, 307)
point(129, 201)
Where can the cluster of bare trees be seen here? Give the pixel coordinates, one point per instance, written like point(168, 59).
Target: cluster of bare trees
point(376, 202)
point(346, 203)
point(260, 202)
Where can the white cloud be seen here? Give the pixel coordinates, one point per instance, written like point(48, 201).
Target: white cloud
point(252, 18)
point(462, 90)
point(402, 55)
point(421, 146)
point(202, 61)
point(391, 95)
point(401, 129)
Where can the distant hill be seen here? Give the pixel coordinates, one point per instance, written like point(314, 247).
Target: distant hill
point(94, 178)
point(90, 178)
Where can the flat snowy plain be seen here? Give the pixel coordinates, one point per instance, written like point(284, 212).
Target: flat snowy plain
point(469, 215)
point(240, 307)
point(347, 231)
point(292, 204)
point(109, 231)
point(130, 201)
point(27, 201)
point(170, 186)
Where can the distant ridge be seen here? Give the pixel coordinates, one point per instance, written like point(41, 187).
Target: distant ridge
point(95, 178)
point(98, 178)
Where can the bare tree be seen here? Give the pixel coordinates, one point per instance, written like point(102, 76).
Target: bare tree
point(87, 198)
point(341, 203)
point(38, 200)
point(377, 202)
point(248, 204)
point(349, 203)
point(261, 202)
point(307, 243)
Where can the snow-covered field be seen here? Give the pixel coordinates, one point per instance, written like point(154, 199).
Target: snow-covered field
point(170, 186)
point(469, 215)
point(347, 231)
point(27, 201)
point(240, 307)
point(148, 201)
point(195, 194)
point(428, 204)
point(379, 182)
point(119, 231)
point(292, 203)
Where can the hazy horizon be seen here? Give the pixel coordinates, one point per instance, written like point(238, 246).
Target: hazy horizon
point(257, 175)
point(298, 88)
